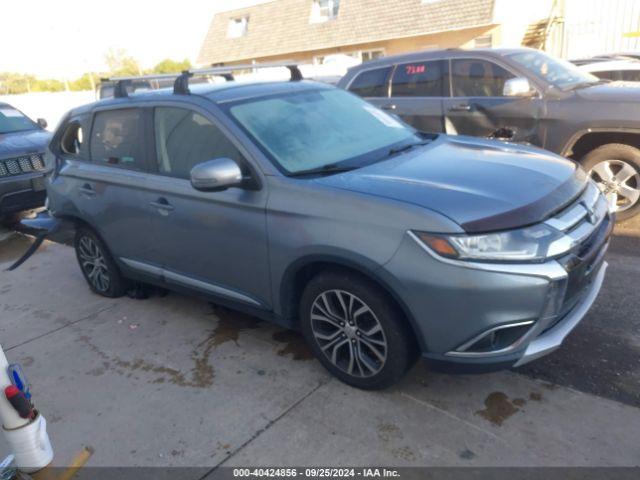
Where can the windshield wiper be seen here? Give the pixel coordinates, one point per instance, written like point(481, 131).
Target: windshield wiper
point(404, 148)
point(324, 170)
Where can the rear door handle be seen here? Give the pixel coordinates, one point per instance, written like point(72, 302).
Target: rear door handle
point(162, 205)
point(389, 106)
point(87, 190)
point(463, 107)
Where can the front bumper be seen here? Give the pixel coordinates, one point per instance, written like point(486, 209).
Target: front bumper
point(454, 305)
point(22, 192)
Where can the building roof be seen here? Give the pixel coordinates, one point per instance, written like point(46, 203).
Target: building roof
point(281, 27)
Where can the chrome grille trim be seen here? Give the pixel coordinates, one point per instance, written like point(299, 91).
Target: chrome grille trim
point(595, 208)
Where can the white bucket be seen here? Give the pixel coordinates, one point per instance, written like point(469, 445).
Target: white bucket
point(30, 445)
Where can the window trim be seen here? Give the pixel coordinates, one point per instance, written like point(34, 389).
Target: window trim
point(446, 81)
point(144, 147)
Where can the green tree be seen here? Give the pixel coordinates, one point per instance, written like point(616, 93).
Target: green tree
point(87, 81)
point(172, 66)
point(121, 63)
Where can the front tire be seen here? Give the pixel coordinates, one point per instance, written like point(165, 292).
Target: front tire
point(355, 331)
point(97, 265)
point(616, 169)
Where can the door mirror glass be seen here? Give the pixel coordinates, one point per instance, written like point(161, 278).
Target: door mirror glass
point(216, 175)
point(518, 87)
point(42, 123)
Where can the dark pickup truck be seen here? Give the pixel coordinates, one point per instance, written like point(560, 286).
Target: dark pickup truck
point(518, 95)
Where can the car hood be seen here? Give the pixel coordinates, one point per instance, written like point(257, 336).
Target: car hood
point(481, 185)
point(20, 143)
point(612, 92)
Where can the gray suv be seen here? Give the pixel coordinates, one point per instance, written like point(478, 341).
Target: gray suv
point(302, 204)
point(520, 95)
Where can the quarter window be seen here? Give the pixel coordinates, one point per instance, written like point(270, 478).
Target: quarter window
point(419, 79)
point(185, 138)
point(371, 83)
point(71, 141)
point(117, 139)
point(478, 78)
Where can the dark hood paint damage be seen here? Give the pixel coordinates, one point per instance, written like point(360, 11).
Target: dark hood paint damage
point(481, 185)
point(20, 143)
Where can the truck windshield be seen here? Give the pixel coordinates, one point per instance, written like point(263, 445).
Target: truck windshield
point(12, 120)
point(559, 73)
point(312, 129)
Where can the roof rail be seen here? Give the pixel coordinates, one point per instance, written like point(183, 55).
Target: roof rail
point(181, 84)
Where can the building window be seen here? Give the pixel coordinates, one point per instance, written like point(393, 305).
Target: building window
point(323, 10)
point(367, 55)
point(485, 41)
point(238, 27)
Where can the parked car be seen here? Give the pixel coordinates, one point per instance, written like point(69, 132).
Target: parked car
point(302, 204)
point(614, 70)
point(519, 95)
point(22, 145)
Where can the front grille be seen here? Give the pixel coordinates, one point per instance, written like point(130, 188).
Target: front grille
point(21, 165)
point(588, 225)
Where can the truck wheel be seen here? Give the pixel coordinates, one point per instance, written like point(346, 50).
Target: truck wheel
point(97, 265)
point(616, 169)
point(355, 331)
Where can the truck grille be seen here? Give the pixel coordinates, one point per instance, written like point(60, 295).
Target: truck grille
point(21, 165)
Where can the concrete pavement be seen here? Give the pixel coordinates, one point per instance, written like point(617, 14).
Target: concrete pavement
point(172, 381)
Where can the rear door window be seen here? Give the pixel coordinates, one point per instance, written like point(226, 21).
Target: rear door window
point(117, 138)
point(371, 83)
point(185, 138)
point(473, 77)
point(419, 79)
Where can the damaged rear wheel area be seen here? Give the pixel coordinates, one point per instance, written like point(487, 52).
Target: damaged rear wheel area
point(98, 267)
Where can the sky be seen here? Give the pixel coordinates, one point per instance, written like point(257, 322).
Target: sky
point(65, 38)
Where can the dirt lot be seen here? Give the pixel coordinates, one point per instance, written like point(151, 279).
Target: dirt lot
point(173, 381)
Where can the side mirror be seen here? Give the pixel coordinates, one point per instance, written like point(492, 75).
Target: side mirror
point(518, 87)
point(42, 123)
point(216, 175)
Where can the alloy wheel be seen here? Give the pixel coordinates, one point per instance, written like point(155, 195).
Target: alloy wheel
point(93, 264)
point(620, 183)
point(348, 333)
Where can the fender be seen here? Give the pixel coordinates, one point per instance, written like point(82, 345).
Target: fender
point(363, 265)
point(568, 148)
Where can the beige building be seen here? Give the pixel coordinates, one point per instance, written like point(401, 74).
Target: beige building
point(307, 31)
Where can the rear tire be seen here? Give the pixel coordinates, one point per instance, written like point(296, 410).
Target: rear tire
point(616, 169)
point(356, 331)
point(98, 267)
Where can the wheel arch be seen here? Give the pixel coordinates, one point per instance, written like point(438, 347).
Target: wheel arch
point(584, 141)
point(298, 274)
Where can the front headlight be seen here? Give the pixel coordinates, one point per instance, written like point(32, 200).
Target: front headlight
point(525, 244)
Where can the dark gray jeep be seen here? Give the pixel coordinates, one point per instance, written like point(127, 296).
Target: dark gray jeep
point(22, 145)
point(520, 95)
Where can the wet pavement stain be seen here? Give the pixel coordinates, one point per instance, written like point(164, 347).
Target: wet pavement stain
point(499, 408)
point(230, 324)
point(201, 374)
point(295, 345)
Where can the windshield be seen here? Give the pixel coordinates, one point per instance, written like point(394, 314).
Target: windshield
point(560, 73)
point(315, 128)
point(12, 120)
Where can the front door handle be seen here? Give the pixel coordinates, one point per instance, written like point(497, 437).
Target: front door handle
point(87, 190)
point(463, 107)
point(389, 106)
point(162, 205)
